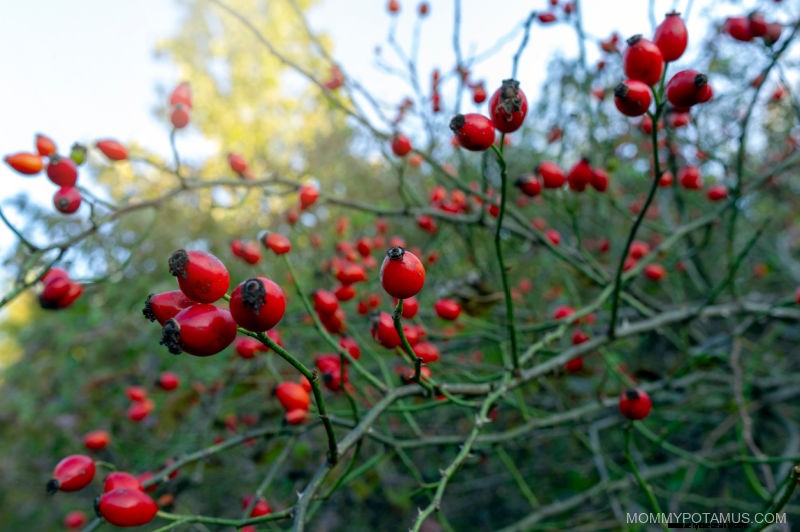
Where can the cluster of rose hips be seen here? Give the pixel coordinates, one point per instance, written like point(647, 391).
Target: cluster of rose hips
point(547, 174)
point(295, 398)
point(643, 62)
point(508, 107)
point(123, 503)
point(746, 28)
point(548, 17)
point(193, 324)
point(58, 290)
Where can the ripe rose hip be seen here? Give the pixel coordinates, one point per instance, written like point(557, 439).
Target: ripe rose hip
point(67, 200)
point(689, 178)
point(181, 94)
point(717, 193)
point(351, 346)
point(278, 243)
point(168, 381)
point(126, 507)
point(258, 304)
point(427, 351)
point(508, 106)
point(529, 185)
point(163, 306)
point(75, 519)
point(447, 309)
point(402, 274)
point(671, 36)
point(599, 179)
point(112, 149)
point(25, 163)
point(738, 28)
point(642, 61)
point(200, 330)
point(325, 302)
point(121, 479)
point(45, 146)
point(308, 195)
point(687, 88)
point(201, 275)
point(73, 473)
point(401, 145)
point(383, 331)
point(632, 97)
point(655, 272)
point(292, 396)
point(635, 404)
point(62, 171)
point(96, 440)
point(551, 174)
point(179, 116)
point(474, 131)
point(238, 164)
point(247, 347)
point(580, 175)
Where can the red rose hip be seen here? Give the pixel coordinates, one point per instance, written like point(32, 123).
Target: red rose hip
point(402, 273)
point(201, 276)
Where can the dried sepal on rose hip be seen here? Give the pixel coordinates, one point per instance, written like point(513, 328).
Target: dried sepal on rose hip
point(402, 274)
point(508, 106)
point(258, 304)
point(201, 330)
point(201, 276)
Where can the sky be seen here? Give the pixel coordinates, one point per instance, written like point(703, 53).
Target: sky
point(85, 69)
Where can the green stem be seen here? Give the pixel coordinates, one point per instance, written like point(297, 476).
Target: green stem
point(498, 246)
point(635, 470)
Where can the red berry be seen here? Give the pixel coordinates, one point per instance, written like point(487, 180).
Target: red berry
point(479, 93)
point(179, 116)
point(308, 195)
point(401, 145)
point(474, 131)
point(635, 404)
point(201, 275)
point(529, 185)
point(112, 149)
point(574, 365)
point(427, 351)
point(393, 7)
point(168, 381)
point(638, 249)
point(666, 179)
point(247, 347)
point(423, 8)
point(383, 331)
point(738, 28)
point(45, 146)
point(261, 507)
point(54, 289)
point(687, 88)
point(655, 272)
point(580, 175)
point(410, 307)
point(72, 293)
point(75, 519)
point(136, 393)
point(62, 171)
point(238, 164)
point(551, 174)
point(579, 337)
point(121, 479)
point(546, 18)
point(73, 473)
point(599, 179)
point(632, 97)
point(25, 163)
point(126, 507)
point(689, 178)
point(562, 312)
point(258, 304)
point(200, 330)
point(181, 94)
point(508, 106)
point(553, 236)
point(717, 192)
point(402, 274)
point(671, 36)
point(292, 396)
point(642, 61)
point(447, 309)
point(773, 34)
point(333, 372)
point(325, 302)
point(96, 440)
point(344, 292)
point(351, 346)
point(165, 305)
point(278, 243)
point(67, 200)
